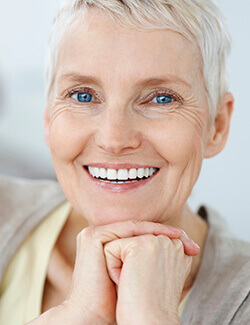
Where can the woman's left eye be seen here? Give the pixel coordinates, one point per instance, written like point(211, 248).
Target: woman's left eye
point(83, 97)
point(162, 99)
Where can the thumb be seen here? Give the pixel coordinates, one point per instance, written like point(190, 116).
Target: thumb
point(112, 252)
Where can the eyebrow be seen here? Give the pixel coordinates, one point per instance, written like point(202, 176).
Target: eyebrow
point(169, 79)
point(75, 77)
point(156, 81)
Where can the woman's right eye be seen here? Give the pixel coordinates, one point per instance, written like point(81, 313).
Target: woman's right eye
point(83, 97)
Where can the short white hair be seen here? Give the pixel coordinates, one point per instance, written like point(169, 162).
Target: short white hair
point(200, 21)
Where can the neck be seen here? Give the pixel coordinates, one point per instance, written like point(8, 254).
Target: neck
point(197, 229)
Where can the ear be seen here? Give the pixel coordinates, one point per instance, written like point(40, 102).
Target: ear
point(46, 118)
point(219, 130)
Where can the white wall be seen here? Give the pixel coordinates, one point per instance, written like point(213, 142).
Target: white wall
point(24, 29)
point(225, 180)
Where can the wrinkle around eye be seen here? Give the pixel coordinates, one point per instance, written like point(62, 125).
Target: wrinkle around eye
point(192, 110)
point(193, 114)
point(155, 110)
point(67, 106)
point(55, 112)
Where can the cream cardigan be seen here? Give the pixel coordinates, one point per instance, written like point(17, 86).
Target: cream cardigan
point(221, 291)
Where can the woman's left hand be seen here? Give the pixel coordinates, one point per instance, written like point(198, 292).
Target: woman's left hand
point(149, 272)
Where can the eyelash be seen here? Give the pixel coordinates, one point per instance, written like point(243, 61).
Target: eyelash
point(156, 93)
point(168, 93)
point(74, 91)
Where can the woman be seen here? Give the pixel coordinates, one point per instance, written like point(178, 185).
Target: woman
point(137, 98)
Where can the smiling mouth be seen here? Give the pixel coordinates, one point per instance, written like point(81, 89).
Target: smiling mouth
point(121, 176)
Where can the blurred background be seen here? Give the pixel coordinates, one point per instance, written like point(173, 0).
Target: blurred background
point(24, 31)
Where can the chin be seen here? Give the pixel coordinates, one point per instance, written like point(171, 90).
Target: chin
point(110, 214)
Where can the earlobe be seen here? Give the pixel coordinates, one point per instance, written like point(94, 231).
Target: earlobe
point(46, 125)
point(219, 131)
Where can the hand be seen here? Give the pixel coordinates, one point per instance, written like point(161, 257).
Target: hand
point(149, 272)
point(92, 298)
point(92, 288)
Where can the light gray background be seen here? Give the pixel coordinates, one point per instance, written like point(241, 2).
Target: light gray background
point(24, 29)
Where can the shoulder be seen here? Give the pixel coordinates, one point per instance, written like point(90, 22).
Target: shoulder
point(19, 193)
point(231, 277)
point(220, 236)
point(22, 197)
point(230, 258)
point(222, 285)
point(242, 314)
point(12, 188)
point(23, 204)
point(228, 247)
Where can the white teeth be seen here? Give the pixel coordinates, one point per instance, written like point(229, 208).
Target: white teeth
point(132, 174)
point(91, 170)
point(111, 174)
point(97, 171)
point(121, 174)
point(103, 173)
point(140, 172)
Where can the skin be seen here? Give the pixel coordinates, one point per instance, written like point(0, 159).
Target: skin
point(123, 124)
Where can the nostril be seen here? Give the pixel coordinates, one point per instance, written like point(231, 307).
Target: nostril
point(116, 138)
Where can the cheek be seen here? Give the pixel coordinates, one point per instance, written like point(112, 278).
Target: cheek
point(177, 141)
point(68, 136)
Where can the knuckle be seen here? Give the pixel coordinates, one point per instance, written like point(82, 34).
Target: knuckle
point(135, 245)
point(149, 241)
point(85, 234)
point(164, 238)
point(178, 244)
point(132, 224)
point(106, 249)
point(143, 243)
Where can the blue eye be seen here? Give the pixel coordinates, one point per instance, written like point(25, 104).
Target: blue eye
point(83, 97)
point(162, 99)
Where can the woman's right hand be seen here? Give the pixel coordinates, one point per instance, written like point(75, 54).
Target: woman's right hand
point(92, 298)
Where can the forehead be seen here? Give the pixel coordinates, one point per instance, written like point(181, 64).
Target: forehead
point(99, 47)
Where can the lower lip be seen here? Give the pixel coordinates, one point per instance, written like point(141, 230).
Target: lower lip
point(118, 188)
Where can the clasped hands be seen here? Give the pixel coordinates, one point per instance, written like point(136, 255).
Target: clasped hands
point(130, 272)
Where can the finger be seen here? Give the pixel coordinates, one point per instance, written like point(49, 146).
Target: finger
point(112, 252)
point(117, 250)
point(90, 242)
point(178, 244)
point(190, 247)
point(126, 229)
point(90, 260)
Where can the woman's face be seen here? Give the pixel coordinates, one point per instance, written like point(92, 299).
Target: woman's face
point(124, 99)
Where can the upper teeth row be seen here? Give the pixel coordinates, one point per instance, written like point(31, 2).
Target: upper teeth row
point(121, 174)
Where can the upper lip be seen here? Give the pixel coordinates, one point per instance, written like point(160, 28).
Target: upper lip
point(119, 165)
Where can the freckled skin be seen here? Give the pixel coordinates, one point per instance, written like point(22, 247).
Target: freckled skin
point(118, 128)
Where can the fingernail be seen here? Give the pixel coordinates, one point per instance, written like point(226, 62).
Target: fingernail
point(194, 243)
point(173, 229)
point(184, 234)
point(191, 241)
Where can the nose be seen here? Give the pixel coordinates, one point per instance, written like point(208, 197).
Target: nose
point(117, 131)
